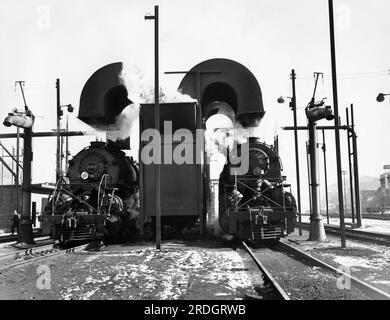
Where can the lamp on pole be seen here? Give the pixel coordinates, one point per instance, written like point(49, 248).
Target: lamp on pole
point(60, 113)
point(293, 107)
point(381, 97)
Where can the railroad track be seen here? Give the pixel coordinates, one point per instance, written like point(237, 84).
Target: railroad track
point(38, 250)
point(37, 253)
point(280, 294)
point(374, 237)
point(297, 275)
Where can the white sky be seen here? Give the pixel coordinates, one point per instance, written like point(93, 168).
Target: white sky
point(44, 40)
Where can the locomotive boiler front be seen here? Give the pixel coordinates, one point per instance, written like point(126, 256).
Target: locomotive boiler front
point(255, 205)
point(101, 160)
point(101, 197)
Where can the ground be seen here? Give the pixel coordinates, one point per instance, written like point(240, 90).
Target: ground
point(370, 225)
point(179, 271)
point(366, 261)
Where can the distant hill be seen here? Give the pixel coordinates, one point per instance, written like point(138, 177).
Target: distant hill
point(368, 183)
point(365, 182)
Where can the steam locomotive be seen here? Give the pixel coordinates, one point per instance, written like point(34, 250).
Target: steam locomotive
point(255, 206)
point(98, 198)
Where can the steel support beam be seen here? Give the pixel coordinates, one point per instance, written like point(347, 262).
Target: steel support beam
point(58, 129)
point(47, 134)
point(12, 157)
point(356, 170)
point(350, 169)
point(25, 234)
point(8, 167)
point(326, 176)
point(294, 109)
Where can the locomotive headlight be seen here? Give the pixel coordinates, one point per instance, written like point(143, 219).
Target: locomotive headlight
point(84, 175)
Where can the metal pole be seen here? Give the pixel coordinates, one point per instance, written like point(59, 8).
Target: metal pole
point(61, 153)
point(58, 155)
point(48, 134)
point(294, 109)
point(157, 122)
point(336, 123)
point(308, 173)
point(344, 173)
point(12, 156)
point(25, 234)
point(66, 144)
point(350, 169)
point(202, 188)
point(2, 166)
point(356, 170)
point(317, 230)
point(17, 168)
point(326, 176)
point(317, 128)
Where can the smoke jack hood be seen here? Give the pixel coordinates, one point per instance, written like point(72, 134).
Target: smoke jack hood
point(104, 96)
point(229, 81)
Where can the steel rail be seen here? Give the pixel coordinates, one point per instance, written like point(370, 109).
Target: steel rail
point(41, 249)
point(364, 286)
point(59, 252)
point(283, 295)
point(376, 237)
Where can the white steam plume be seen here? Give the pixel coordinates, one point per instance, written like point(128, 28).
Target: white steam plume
point(140, 90)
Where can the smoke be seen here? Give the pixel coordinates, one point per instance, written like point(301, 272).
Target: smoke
point(140, 87)
point(221, 136)
point(140, 90)
point(125, 121)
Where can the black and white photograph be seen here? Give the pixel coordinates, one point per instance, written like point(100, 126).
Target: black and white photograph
point(195, 158)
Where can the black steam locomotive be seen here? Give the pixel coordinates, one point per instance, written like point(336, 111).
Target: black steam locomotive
point(98, 198)
point(255, 206)
point(100, 195)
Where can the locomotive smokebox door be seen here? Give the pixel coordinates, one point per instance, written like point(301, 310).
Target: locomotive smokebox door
point(104, 96)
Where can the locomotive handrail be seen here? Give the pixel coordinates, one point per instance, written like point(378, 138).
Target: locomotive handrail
point(259, 193)
point(76, 197)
